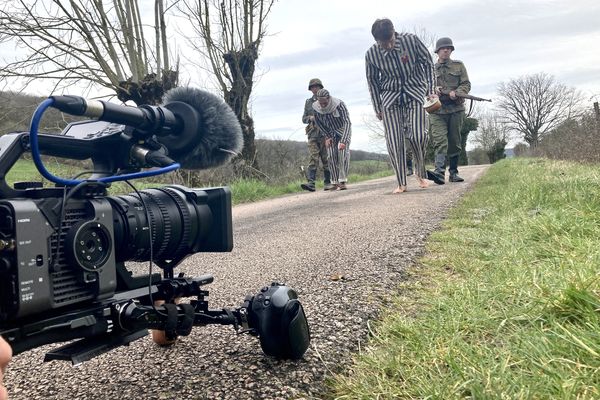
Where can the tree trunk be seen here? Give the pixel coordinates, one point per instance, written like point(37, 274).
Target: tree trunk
point(241, 65)
point(532, 141)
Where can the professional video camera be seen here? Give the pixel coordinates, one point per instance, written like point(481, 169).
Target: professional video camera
point(63, 249)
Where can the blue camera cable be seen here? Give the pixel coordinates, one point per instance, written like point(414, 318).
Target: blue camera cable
point(37, 159)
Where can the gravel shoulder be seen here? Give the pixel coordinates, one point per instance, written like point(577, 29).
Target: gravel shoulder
point(365, 234)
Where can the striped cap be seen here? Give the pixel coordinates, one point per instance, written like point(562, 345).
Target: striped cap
point(323, 93)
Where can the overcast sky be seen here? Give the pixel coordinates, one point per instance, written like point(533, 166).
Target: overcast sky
point(497, 41)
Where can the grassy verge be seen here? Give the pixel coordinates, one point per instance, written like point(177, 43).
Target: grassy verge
point(506, 305)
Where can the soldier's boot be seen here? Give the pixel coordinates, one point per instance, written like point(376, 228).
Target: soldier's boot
point(440, 164)
point(453, 169)
point(438, 175)
point(409, 168)
point(327, 181)
point(310, 185)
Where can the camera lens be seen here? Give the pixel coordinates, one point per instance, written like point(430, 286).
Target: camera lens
point(177, 220)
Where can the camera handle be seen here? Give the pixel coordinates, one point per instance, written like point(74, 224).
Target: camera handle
point(274, 314)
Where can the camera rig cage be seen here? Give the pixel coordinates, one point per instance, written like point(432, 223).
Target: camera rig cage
point(63, 249)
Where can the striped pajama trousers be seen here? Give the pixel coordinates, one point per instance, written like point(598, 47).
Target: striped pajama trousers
point(339, 161)
point(405, 120)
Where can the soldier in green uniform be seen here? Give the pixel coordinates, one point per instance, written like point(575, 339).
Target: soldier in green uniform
point(445, 123)
point(316, 141)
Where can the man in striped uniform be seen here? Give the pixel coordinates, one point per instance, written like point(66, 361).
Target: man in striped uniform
point(400, 76)
point(331, 117)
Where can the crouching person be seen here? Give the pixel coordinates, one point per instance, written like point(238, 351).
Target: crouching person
point(333, 120)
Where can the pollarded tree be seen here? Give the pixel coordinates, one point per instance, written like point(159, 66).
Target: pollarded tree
point(533, 105)
point(89, 43)
point(229, 34)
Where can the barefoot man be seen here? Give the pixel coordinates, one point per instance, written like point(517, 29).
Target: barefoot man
point(400, 76)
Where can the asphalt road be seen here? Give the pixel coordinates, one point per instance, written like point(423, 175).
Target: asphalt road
point(343, 252)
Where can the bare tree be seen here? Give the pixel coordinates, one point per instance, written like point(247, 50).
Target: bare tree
point(492, 135)
point(88, 42)
point(231, 33)
point(533, 105)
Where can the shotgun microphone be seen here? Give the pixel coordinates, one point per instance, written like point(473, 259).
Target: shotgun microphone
point(198, 128)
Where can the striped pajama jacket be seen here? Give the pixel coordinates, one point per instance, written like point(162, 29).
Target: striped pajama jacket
point(337, 126)
point(399, 80)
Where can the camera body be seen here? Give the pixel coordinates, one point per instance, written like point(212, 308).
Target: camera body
point(32, 280)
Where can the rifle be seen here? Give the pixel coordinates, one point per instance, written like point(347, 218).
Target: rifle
point(445, 96)
point(463, 96)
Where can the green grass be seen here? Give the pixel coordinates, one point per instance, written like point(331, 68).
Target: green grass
point(506, 305)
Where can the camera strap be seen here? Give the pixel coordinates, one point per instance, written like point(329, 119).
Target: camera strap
point(171, 325)
point(188, 320)
point(172, 328)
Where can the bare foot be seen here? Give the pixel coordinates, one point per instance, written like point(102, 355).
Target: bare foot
point(422, 183)
point(399, 189)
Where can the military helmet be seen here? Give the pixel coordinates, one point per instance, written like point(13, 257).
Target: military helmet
point(443, 42)
point(314, 82)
